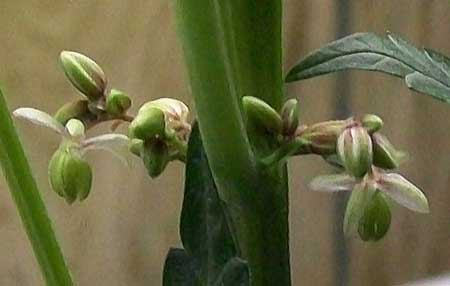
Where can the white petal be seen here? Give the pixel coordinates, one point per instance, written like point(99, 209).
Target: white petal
point(40, 118)
point(403, 192)
point(332, 183)
point(117, 144)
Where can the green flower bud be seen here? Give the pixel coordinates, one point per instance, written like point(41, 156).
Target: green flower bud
point(77, 109)
point(289, 115)
point(174, 110)
point(384, 154)
point(323, 136)
point(354, 148)
point(70, 176)
point(117, 102)
point(372, 123)
point(84, 74)
point(155, 156)
point(147, 125)
point(262, 115)
point(376, 219)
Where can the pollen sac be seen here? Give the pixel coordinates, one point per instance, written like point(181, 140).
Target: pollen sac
point(117, 102)
point(384, 153)
point(289, 116)
point(155, 155)
point(376, 219)
point(354, 148)
point(261, 115)
point(84, 74)
point(148, 125)
point(322, 137)
point(372, 123)
point(70, 175)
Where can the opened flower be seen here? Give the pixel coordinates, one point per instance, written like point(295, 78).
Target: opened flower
point(375, 185)
point(69, 173)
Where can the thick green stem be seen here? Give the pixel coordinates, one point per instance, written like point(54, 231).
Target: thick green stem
point(233, 48)
point(29, 203)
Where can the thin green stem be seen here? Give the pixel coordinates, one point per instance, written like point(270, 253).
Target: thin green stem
point(31, 208)
point(286, 150)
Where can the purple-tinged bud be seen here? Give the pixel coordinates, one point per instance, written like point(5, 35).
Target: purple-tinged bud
point(289, 116)
point(376, 219)
point(262, 115)
point(384, 153)
point(354, 148)
point(372, 123)
point(323, 136)
point(84, 74)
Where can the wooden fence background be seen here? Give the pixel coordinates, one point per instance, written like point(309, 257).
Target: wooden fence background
point(120, 235)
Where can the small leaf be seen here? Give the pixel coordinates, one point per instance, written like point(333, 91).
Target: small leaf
point(179, 269)
point(39, 118)
point(425, 71)
point(204, 228)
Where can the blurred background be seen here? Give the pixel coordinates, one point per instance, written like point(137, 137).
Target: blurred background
point(121, 234)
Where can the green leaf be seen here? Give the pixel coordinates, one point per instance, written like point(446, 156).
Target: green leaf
point(204, 228)
point(424, 70)
point(179, 269)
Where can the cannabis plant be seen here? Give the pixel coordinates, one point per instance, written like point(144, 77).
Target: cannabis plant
point(234, 217)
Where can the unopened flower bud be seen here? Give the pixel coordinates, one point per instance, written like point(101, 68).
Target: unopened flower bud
point(147, 125)
point(174, 110)
point(75, 128)
point(77, 109)
point(323, 136)
point(84, 74)
point(289, 116)
point(354, 148)
point(260, 114)
point(360, 197)
point(372, 123)
point(375, 220)
point(70, 176)
point(117, 102)
point(384, 153)
point(155, 157)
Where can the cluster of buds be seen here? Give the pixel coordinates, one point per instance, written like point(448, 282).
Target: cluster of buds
point(97, 104)
point(365, 156)
point(158, 133)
